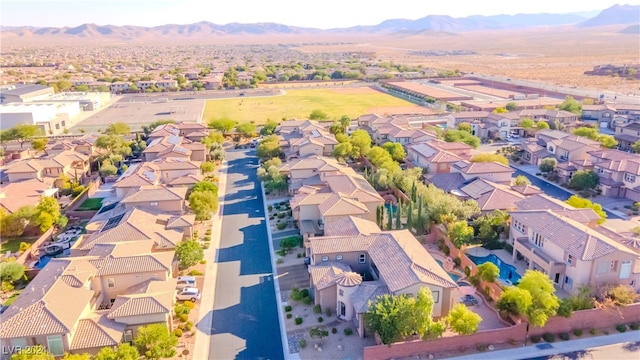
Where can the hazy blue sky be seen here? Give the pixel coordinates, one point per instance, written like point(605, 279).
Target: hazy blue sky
point(322, 14)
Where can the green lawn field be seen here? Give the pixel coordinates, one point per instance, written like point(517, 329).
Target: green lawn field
point(298, 104)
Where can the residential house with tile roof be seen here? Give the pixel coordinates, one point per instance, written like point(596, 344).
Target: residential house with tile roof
point(82, 304)
point(174, 146)
point(15, 195)
point(160, 198)
point(314, 143)
point(571, 253)
point(49, 168)
point(627, 135)
point(437, 156)
point(492, 171)
point(490, 196)
point(619, 173)
point(355, 262)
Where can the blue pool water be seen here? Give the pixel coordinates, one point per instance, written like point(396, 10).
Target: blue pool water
point(44, 259)
point(508, 273)
point(454, 277)
point(392, 207)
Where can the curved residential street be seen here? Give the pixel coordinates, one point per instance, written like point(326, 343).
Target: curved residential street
point(245, 321)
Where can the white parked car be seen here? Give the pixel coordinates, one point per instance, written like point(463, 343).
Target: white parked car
point(191, 294)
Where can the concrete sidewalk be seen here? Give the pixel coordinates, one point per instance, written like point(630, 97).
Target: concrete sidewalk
point(205, 321)
point(555, 348)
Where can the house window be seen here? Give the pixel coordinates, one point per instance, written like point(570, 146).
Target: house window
point(519, 226)
point(341, 292)
point(565, 154)
point(570, 259)
point(538, 240)
point(625, 269)
point(128, 336)
point(436, 296)
point(629, 177)
point(362, 259)
point(153, 203)
point(54, 345)
point(614, 265)
point(18, 344)
point(568, 282)
point(338, 257)
point(325, 258)
point(111, 282)
point(603, 267)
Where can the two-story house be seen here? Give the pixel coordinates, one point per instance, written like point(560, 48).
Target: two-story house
point(627, 135)
point(437, 156)
point(355, 262)
point(601, 115)
point(572, 148)
point(571, 253)
point(82, 304)
point(492, 171)
point(619, 173)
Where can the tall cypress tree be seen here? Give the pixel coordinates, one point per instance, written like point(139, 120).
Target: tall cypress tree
point(390, 223)
point(419, 218)
point(413, 191)
point(398, 217)
point(410, 215)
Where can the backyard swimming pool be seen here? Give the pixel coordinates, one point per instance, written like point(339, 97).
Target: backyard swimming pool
point(454, 277)
point(508, 273)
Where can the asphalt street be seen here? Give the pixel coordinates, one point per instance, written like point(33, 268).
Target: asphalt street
point(245, 316)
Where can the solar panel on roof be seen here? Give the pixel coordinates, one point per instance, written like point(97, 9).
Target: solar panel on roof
point(112, 222)
point(108, 207)
point(180, 150)
point(150, 175)
point(174, 140)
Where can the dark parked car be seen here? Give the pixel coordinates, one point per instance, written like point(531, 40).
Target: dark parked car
point(469, 300)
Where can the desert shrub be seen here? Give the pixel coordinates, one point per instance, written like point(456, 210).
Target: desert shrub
point(289, 316)
point(181, 326)
point(208, 232)
point(320, 319)
point(348, 331)
point(467, 270)
point(304, 292)
point(456, 261)
point(195, 272)
point(181, 309)
point(177, 332)
point(535, 339)
point(307, 300)
point(288, 308)
point(446, 250)
point(634, 326)
point(189, 304)
point(317, 309)
point(184, 317)
point(564, 336)
point(481, 347)
point(269, 208)
point(205, 246)
point(593, 331)
point(549, 337)
point(328, 311)
point(296, 294)
point(334, 330)
point(279, 261)
point(298, 320)
point(281, 215)
point(299, 255)
point(207, 238)
point(621, 328)
point(302, 343)
point(577, 332)
point(189, 326)
point(271, 217)
point(281, 226)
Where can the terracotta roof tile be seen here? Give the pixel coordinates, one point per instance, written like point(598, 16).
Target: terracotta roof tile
point(97, 333)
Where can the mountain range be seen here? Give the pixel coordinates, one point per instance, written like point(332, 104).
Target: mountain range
point(615, 15)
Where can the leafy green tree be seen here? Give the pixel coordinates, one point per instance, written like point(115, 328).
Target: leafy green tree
point(583, 180)
point(548, 165)
point(395, 150)
point(118, 128)
point(636, 147)
point(155, 341)
point(542, 125)
point(395, 317)
point(489, 157)
point(11, 271)
point(37, 352)
point(527, 123)
point(464, 126)
point(336, 128)
point(113, 145)
point(319, 333)
point(345, 121)
point(203, 204)
point(488, 272)
point(587, 132)
point(511, 106)
point(108, 169)
point(582, 203)
point(514, 301)
point(544, 302)
point(521, 180)
point(608, 141)
point(461, 136)
point(460, 233)
point(342, 150)
point(361, 143)
point(39, 144)
point(269, 128)
point(500, 110)
point(189, 253)
point(223, 125)
point(289, 243)
point(124, 352)
point(23, 133)
point(269, 147)
point(207, 167)
point(246, 130)
point(571, 105)
point(47, 213)
point(318, 115)
point(68, 356)
point(64, 85)
point(462, 320)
